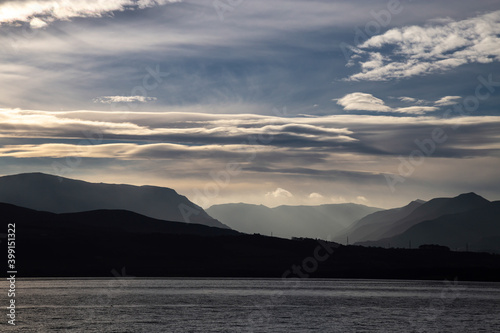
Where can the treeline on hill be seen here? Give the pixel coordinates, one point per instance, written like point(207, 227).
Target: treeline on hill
point(94, 244)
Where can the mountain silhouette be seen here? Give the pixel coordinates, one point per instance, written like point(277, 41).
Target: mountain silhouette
point(393, 224)
point(107, 242)
point(475, 230)
point(321, 221)
point(115, 221)
point(435, 208)
point(367, 227)
point(55, 194)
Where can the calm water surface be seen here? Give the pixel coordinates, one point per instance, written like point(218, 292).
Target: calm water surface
point(255, 305)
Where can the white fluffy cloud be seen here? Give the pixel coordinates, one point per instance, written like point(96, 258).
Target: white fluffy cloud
point(41, 12)
point(420, 50)
point(279, 193)
point(315, 195)
point(363, 102)
point(367, 102)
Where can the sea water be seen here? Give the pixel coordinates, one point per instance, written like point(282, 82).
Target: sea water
point(252, 305)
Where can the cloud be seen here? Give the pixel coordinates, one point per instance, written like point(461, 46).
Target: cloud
point(133, 151)
point(361, 199)
point(315, 195)
point(311, 139)
point(279, 193)
point(39, 13)
point(186, 150)
point(406, 99)
point(421, 50)
point(447, 100)
point(264, 54)
point(186, 128)
point(124, 99)
point(338, 149)
point(36, 23)
point(416, 109)
point(367, 102)
point(245, 63)
point(363, 102)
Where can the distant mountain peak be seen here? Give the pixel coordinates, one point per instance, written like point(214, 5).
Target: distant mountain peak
point(31, 174)
point(319, 221)
point(470, 195)
point(45, 192)
point(415, 203)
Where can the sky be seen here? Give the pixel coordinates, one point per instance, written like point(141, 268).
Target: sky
point(266, 102)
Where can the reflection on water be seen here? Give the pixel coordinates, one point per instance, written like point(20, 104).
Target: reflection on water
point(254, 305)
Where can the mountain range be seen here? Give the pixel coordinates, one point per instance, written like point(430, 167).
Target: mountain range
point(55, 194)
point(465, 222)
point(108, 243)
point(433, 209)
point(114, 221)
point(321, 221)
point(477, 230)
point(370, 226)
